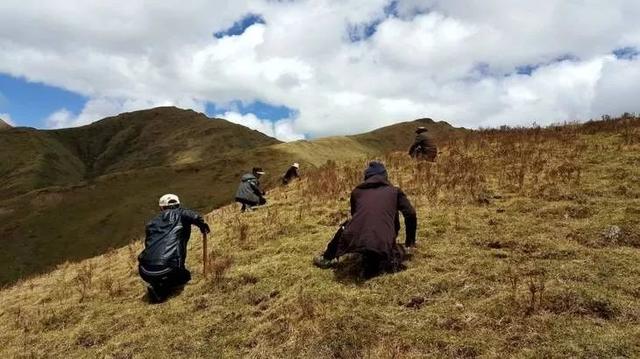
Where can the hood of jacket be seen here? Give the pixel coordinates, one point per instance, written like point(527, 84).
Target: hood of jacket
point(374, 182)
point(248, 177)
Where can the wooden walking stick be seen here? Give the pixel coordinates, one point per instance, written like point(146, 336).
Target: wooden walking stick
point(205, 258)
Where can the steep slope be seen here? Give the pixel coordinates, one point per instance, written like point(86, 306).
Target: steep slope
point(32, 159)
point(527, 247)
point(108, 175)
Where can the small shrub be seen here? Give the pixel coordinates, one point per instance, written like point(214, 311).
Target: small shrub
point(83, 280)
point(305, 305)
point(219, 265)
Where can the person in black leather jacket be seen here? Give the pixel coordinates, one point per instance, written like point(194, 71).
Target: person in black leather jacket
point(162, 262)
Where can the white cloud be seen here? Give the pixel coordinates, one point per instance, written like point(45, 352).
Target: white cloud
point(618, 88)
point(283, 130)
point(6, 118)
point(452, 60)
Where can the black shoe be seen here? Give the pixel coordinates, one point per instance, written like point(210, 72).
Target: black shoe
point(154, 296)
point(323, 263)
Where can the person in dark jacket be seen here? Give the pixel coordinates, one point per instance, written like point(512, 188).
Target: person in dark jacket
point(291, 174)
point(374, 225)
point(249, 193)
point(423, 147)
point(162, 262)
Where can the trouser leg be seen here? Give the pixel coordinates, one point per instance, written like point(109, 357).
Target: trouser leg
point(372, 264)
point(179, 277)
point(246, 205)
point(332, 248)
point(165, 282)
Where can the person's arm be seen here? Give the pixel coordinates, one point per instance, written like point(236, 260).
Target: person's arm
point(255, 187)
point(193, 218)
point(413, 147)
point(410, 218)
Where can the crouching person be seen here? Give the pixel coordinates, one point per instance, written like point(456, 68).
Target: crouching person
point(249, 192)
point(162, 262)
point(374, 225)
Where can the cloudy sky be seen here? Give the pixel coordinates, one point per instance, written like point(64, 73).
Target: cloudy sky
point(321, 67)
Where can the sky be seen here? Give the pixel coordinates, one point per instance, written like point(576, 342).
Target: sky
point(303, 69)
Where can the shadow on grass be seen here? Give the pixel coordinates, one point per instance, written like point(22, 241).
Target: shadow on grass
point(350, 270)
point(173, 293)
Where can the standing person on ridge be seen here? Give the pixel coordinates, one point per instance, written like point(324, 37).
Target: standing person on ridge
point(374, 225)
point(249, 193)
point(291, 174)
point(423, 146)
point(162, 262)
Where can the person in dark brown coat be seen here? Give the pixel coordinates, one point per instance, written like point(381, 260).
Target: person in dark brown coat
point(423, 147)
point(374, 225)
point(291, 174)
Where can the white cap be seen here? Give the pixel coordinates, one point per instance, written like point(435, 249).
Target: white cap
point(168, 200)
point(296, 165)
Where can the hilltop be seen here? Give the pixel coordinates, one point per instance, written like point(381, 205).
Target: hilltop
point(165, 136)
point(74, 193)
point(528, 246)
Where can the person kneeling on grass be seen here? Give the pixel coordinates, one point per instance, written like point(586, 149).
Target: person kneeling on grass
point(249, 193)
point(291, 174)
point(374, 225)
point(162, 262)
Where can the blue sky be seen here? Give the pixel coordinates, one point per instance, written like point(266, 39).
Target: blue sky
point(30, 103)
point(240, 26)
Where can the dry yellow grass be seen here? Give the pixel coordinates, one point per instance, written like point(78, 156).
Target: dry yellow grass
point(528, 247)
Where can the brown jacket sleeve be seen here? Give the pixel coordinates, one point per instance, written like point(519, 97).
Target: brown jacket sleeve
point(353, 203)
point(410, 218)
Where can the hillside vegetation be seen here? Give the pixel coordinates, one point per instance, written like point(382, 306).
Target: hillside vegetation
point(74, 193)
point(528, 247)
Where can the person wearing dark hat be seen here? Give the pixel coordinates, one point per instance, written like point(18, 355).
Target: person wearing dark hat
point(249, 193)
point(374, 225)
point(423, 147)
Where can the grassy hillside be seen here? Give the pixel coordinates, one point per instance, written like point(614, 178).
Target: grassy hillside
point(107, 177)
point(32, 159)
point(528, 246)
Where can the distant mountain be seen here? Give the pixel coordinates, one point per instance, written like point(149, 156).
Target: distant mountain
point(130, 141)
point(73, 193)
